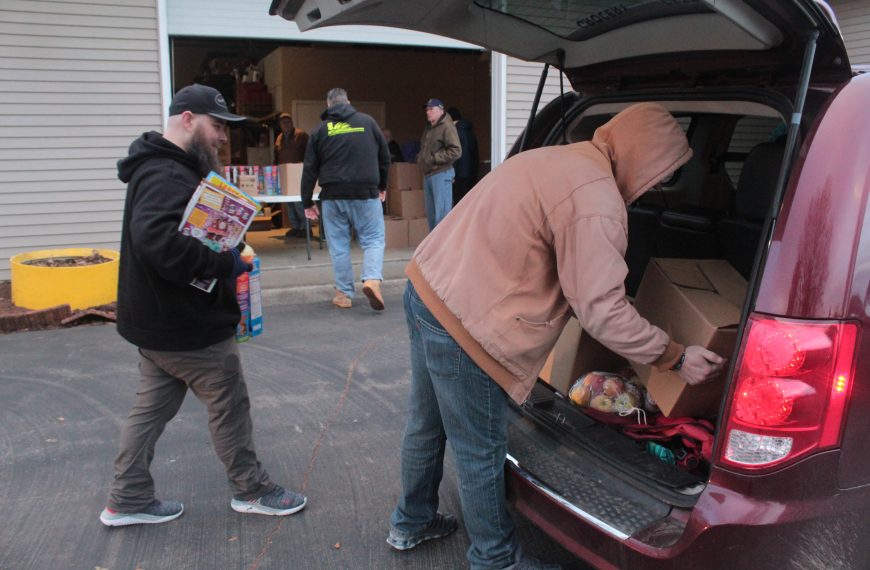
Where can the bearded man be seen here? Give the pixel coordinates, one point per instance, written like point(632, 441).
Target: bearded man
point(185, 336)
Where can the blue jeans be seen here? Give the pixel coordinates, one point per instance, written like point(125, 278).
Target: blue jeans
point(452, 399)
point(438, 193)
point(366, 218)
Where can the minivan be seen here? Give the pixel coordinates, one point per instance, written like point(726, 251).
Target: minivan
point(778, 188)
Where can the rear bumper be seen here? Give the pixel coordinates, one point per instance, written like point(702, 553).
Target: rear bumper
point(725, 530)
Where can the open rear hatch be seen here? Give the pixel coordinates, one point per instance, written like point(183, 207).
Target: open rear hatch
point(615, 44)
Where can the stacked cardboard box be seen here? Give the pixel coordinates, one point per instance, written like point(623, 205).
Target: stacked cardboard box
point(697, 302)
point(290, 176)
point(406, 203)
point(395, 232)
point(575, 354)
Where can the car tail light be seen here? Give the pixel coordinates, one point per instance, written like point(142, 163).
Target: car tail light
point(789, 398)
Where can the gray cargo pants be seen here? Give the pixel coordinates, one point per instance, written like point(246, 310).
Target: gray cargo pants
point(214, 375)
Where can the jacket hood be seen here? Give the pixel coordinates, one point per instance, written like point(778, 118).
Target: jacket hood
point(152, 145)
point(645, 145)
point(340, 112)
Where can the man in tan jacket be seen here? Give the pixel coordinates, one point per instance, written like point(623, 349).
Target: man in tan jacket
point(439, 149)
point(489, 291)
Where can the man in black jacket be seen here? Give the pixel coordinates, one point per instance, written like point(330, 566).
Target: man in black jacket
point(348, 154)
point(185, 336)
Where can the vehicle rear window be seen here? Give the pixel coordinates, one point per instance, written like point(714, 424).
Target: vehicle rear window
point(749, 132)
point(576, 20)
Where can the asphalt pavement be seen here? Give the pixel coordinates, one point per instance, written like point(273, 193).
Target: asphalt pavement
point(328, 391)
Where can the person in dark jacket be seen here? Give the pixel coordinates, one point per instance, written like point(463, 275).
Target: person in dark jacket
point(185, 336)
point(348, 155)
point(466, 165)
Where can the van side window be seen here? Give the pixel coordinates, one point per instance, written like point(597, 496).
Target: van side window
point(748, 132)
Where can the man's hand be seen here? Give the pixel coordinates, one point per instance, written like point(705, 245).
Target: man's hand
point(700, 365)
point(382, 194)
point(312, 213)
point(240, 266)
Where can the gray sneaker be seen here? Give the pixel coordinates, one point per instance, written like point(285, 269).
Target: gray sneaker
point(156, 512)
point(278, 502)
point(442, 525)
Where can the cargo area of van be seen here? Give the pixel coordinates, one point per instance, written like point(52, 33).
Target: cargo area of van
point(623, 443)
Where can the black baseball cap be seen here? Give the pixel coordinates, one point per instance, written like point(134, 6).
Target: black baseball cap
point(202, 100)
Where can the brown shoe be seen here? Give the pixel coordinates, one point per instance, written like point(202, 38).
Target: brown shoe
point(372, 290)
point(341, 300)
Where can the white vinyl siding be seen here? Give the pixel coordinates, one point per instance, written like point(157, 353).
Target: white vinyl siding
point(522, 83)
point(854, 19)
point(250, 19)
point(79, 80)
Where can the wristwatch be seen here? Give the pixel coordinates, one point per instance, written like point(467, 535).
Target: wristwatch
point(680, 361)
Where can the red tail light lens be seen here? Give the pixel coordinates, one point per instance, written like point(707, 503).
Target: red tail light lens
point(789, 399)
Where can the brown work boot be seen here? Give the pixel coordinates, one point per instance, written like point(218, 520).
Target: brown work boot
point(341, 300)
point(372, 290)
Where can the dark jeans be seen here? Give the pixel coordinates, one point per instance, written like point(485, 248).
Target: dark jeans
point(453, 400)
point(214, 375)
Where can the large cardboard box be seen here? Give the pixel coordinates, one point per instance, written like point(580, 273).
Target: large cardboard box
point(695, 302)
point(418, 229)
point(406, 203)
point(404, 175)
point(395, 232)
point(575, 354)
point(290, 176)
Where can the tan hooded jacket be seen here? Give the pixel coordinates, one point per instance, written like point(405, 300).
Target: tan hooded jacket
point(543, 234)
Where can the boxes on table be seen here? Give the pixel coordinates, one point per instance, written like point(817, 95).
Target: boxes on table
point(395, 232)
point(697, 302)
point(290, 175)
point(250, 183)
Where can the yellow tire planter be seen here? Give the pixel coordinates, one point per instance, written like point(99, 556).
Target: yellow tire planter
point(35, 287)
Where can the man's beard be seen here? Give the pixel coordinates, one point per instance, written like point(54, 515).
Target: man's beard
point(206, 155)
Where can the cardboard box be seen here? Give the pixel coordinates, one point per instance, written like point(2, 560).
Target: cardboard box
point(395, 232)
point(406, 203)
point(249, 184)
point(696, 302)
point(418, 229)
point(575, 354)
point(290, 176)
point(403, 176)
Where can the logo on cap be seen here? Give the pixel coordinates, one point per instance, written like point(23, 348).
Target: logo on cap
point(219, 99)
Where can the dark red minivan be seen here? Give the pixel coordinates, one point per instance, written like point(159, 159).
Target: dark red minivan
point(778, 187)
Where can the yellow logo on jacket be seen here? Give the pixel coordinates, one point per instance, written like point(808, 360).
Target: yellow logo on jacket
point(333, 129)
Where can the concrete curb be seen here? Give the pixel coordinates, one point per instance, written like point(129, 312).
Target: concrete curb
point(324, 293)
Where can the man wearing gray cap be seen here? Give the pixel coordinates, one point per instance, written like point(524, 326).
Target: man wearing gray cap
point(439, 149)
point(185, 336)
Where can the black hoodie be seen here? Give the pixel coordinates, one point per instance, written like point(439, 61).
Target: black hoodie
point(158, 309)
point(348, 154)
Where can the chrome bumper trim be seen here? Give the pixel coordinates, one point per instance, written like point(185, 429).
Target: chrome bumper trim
point(565, 503)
